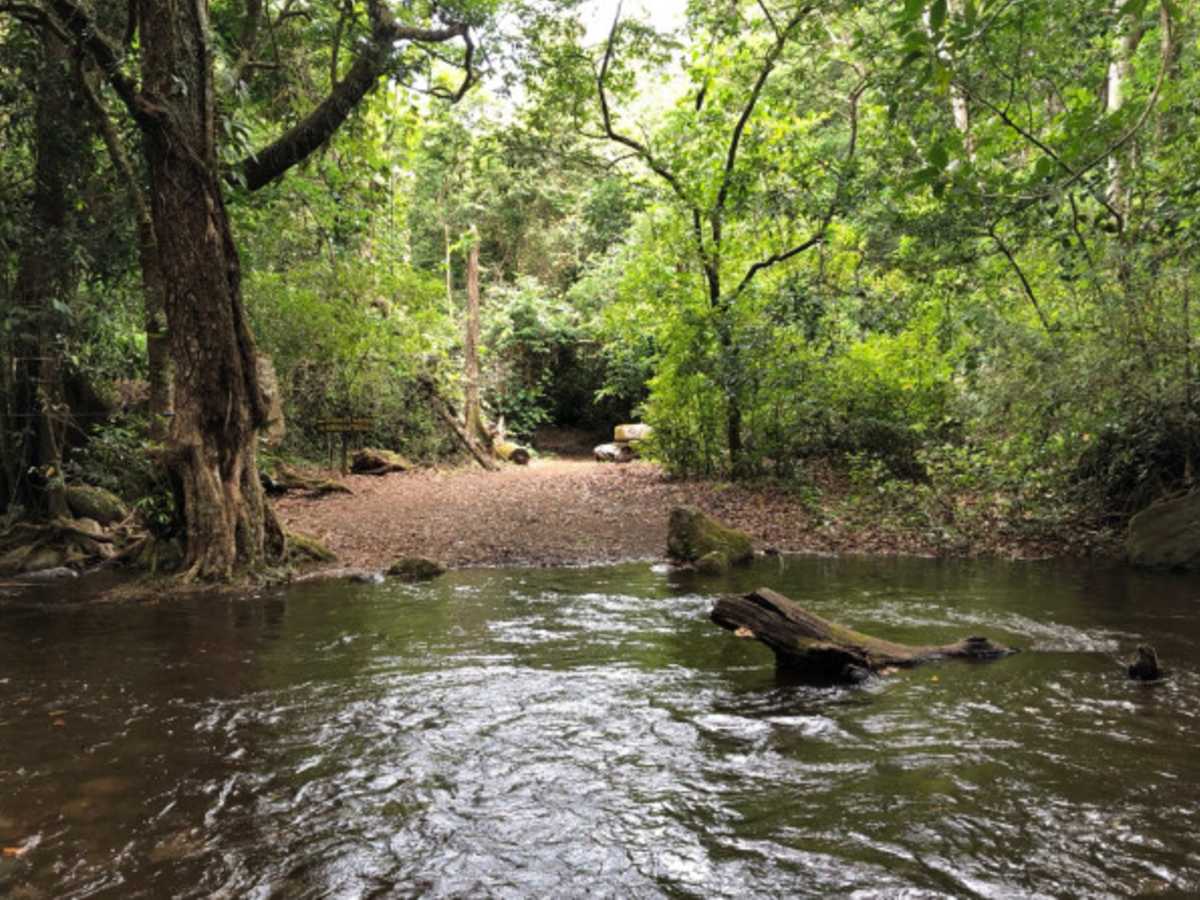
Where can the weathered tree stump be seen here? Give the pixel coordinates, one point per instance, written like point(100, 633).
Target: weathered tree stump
point(816, 650)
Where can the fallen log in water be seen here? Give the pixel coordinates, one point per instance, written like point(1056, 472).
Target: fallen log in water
point(818, 650)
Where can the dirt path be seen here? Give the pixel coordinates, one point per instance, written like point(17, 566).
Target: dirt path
point(549, 513)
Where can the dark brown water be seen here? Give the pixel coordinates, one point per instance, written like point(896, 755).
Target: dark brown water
point(588, 733)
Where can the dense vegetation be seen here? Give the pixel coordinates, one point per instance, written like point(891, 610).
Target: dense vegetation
point(944, 247)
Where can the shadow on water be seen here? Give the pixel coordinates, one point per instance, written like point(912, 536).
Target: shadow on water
point(588, 731)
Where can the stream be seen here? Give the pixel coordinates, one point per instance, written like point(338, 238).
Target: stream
point(588, 732)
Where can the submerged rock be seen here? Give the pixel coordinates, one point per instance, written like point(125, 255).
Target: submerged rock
point(1144, 665)
point(416, 568)
point(1166, 535)
point(693, 535)
point(714, 563)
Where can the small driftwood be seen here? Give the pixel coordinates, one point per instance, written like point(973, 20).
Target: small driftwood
point(814, 649)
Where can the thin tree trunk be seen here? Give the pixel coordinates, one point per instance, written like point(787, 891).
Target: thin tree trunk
point(449, 260)
point(158, 358)
point(472, 415)
point(1120, 72)
point(46, 277)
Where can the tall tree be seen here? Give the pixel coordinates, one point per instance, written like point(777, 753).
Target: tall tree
point(219, 406)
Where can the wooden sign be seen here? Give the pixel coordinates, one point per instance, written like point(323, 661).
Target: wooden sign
point(345, 426)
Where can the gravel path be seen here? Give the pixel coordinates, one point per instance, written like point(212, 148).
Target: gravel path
point(552, 512)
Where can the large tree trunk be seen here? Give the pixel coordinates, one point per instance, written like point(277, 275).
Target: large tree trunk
point(820, 651)
point(218, 403)
point(47, 277)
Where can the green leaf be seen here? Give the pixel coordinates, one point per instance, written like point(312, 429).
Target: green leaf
point(937, 14)
point(939, 158)
point(913, 8)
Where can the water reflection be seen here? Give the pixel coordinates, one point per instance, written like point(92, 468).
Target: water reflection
point(571, 732)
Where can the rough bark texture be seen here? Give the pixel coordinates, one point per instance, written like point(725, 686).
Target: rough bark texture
point(219, 407)
point(817, 650)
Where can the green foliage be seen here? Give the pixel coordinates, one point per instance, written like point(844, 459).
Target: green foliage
point(119, 458)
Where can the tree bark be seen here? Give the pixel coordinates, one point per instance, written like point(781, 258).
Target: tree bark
point(218, 403)
point(816, 650)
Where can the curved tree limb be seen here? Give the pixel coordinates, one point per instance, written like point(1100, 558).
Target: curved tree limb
point(372, 63)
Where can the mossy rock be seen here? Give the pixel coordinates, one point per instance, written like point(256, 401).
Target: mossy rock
point(44, 558)
point(692, 535)
point(374, 461)
point(416, 568)
point(305, 546)
point(713, 563)
point(88, 502)
point(1166, 535)
point(13, 562)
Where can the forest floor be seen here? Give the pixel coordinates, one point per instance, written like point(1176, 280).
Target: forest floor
point(576, 511)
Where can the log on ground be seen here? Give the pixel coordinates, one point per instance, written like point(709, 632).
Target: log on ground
point(814, 649)
point(374, 461)
point(513, 453)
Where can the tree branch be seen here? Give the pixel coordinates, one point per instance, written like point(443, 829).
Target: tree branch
point(1025, 285)
point(108, 56)
point(748, 110)
point(299, 142)
point(817, 236)
point(644, 153)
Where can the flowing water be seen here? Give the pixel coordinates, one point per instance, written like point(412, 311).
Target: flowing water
point(587, 732)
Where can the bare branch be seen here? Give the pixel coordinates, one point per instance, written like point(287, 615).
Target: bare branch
point(644, 153)
point(818, 236)
point(1025, 285)
point(748, 110)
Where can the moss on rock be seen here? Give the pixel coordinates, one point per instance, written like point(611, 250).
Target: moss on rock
point(692, 535)
point(416, 568)
point(88, 502)
point(713, 563)
point(1166, 535)
point(305, 546)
